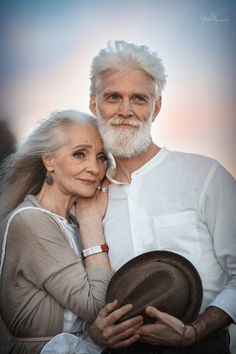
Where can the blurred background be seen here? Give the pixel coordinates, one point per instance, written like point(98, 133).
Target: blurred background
point(46, 48)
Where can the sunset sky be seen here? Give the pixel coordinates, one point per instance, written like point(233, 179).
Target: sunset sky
point(46, 48)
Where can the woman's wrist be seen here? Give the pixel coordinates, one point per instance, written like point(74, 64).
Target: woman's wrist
point(90, 224)
point(90, 332)
point(91, 235)
point(93, 241)
point(91, 251)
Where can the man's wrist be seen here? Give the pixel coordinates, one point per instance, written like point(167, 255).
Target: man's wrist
point(189, 336)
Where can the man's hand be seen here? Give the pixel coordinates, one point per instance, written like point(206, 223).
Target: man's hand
point(166, 331)
point(170, 331)
point(105, 332)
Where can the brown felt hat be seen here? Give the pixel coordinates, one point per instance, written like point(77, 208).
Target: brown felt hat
point(162, 279)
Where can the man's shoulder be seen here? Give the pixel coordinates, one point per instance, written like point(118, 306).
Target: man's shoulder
point(192, 160)
point(186, 166)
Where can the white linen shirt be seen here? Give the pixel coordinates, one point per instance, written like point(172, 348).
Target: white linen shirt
point(184, 203)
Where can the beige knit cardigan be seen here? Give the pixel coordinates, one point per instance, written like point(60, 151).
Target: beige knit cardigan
point(41, 276)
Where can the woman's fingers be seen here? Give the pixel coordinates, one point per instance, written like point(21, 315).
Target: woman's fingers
point(122, 335)
point(107, 332)
point(106, 310)
point(117, 314)
point(106, 183)
point(134, 322)
point(104, 186)
point(112, 314)
point(118, 335)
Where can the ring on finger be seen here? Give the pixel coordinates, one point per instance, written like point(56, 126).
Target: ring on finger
point(104, 189)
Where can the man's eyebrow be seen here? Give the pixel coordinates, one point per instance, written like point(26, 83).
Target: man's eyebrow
point(140, 94)
point(108, 93)
point(116, 93)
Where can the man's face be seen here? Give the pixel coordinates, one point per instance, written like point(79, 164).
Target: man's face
point(126, 105)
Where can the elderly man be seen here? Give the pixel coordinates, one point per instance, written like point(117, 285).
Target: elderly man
point(162, 200)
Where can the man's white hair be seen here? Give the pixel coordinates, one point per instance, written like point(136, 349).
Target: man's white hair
point(123, 56)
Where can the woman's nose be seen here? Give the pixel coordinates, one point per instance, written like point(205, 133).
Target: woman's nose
point(92, 166)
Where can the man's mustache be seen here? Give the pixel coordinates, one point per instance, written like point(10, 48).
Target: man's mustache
point(125, 121)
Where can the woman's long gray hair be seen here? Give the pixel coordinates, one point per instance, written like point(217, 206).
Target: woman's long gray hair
point(23, 172)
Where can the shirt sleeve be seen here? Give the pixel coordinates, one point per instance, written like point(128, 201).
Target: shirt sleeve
point(219, 207)
point(46, 259)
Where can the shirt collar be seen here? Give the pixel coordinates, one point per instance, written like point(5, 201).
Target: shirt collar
point(112, 165)
point(111, 170)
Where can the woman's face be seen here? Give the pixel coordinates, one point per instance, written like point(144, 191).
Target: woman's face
point(80, 164)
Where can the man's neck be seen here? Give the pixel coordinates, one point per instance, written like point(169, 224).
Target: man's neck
point(125, 167)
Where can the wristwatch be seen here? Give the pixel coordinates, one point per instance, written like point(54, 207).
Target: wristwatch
point(94, 250)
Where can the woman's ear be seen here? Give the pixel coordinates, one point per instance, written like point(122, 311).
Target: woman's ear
point(48, 161)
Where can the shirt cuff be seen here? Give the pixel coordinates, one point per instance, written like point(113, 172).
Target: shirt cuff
point(225, 300)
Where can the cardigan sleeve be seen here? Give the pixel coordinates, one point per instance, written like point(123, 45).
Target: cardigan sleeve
point(45, 258)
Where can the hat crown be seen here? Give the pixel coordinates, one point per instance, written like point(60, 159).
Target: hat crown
point(162, 279)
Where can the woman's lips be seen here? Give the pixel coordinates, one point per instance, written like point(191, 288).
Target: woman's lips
point(87, 181)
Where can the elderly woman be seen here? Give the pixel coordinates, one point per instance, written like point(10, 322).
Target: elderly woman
point(47, 287)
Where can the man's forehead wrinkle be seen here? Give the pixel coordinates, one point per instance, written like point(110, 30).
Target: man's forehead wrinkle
point(118, 88)
point(131, 82)
point(111, 75)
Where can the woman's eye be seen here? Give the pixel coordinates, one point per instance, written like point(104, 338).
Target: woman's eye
point(79, 154)
point(102, 157)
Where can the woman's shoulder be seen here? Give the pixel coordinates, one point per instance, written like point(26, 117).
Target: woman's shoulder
point(30, 214)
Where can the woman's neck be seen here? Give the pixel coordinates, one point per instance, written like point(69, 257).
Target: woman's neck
point(54, 200)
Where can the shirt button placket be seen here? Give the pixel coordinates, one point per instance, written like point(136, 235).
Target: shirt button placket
point(133, 204)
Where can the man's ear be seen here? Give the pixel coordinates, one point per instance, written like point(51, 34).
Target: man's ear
point(92, 104)
point(157, 108)
point(48, 161)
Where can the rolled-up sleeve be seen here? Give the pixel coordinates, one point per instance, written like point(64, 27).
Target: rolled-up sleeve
point(219, 203)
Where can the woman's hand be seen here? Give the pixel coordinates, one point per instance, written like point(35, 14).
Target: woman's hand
point(89, 213)
point(105, 332)
point(93, 208)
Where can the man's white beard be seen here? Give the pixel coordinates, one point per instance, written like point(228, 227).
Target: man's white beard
point(125, 142)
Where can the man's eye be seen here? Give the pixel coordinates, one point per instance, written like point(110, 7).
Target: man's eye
point(140, 99)
point(79, 154)
point(112, 98)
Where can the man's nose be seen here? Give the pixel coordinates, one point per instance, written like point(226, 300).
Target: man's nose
point(125, 109)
